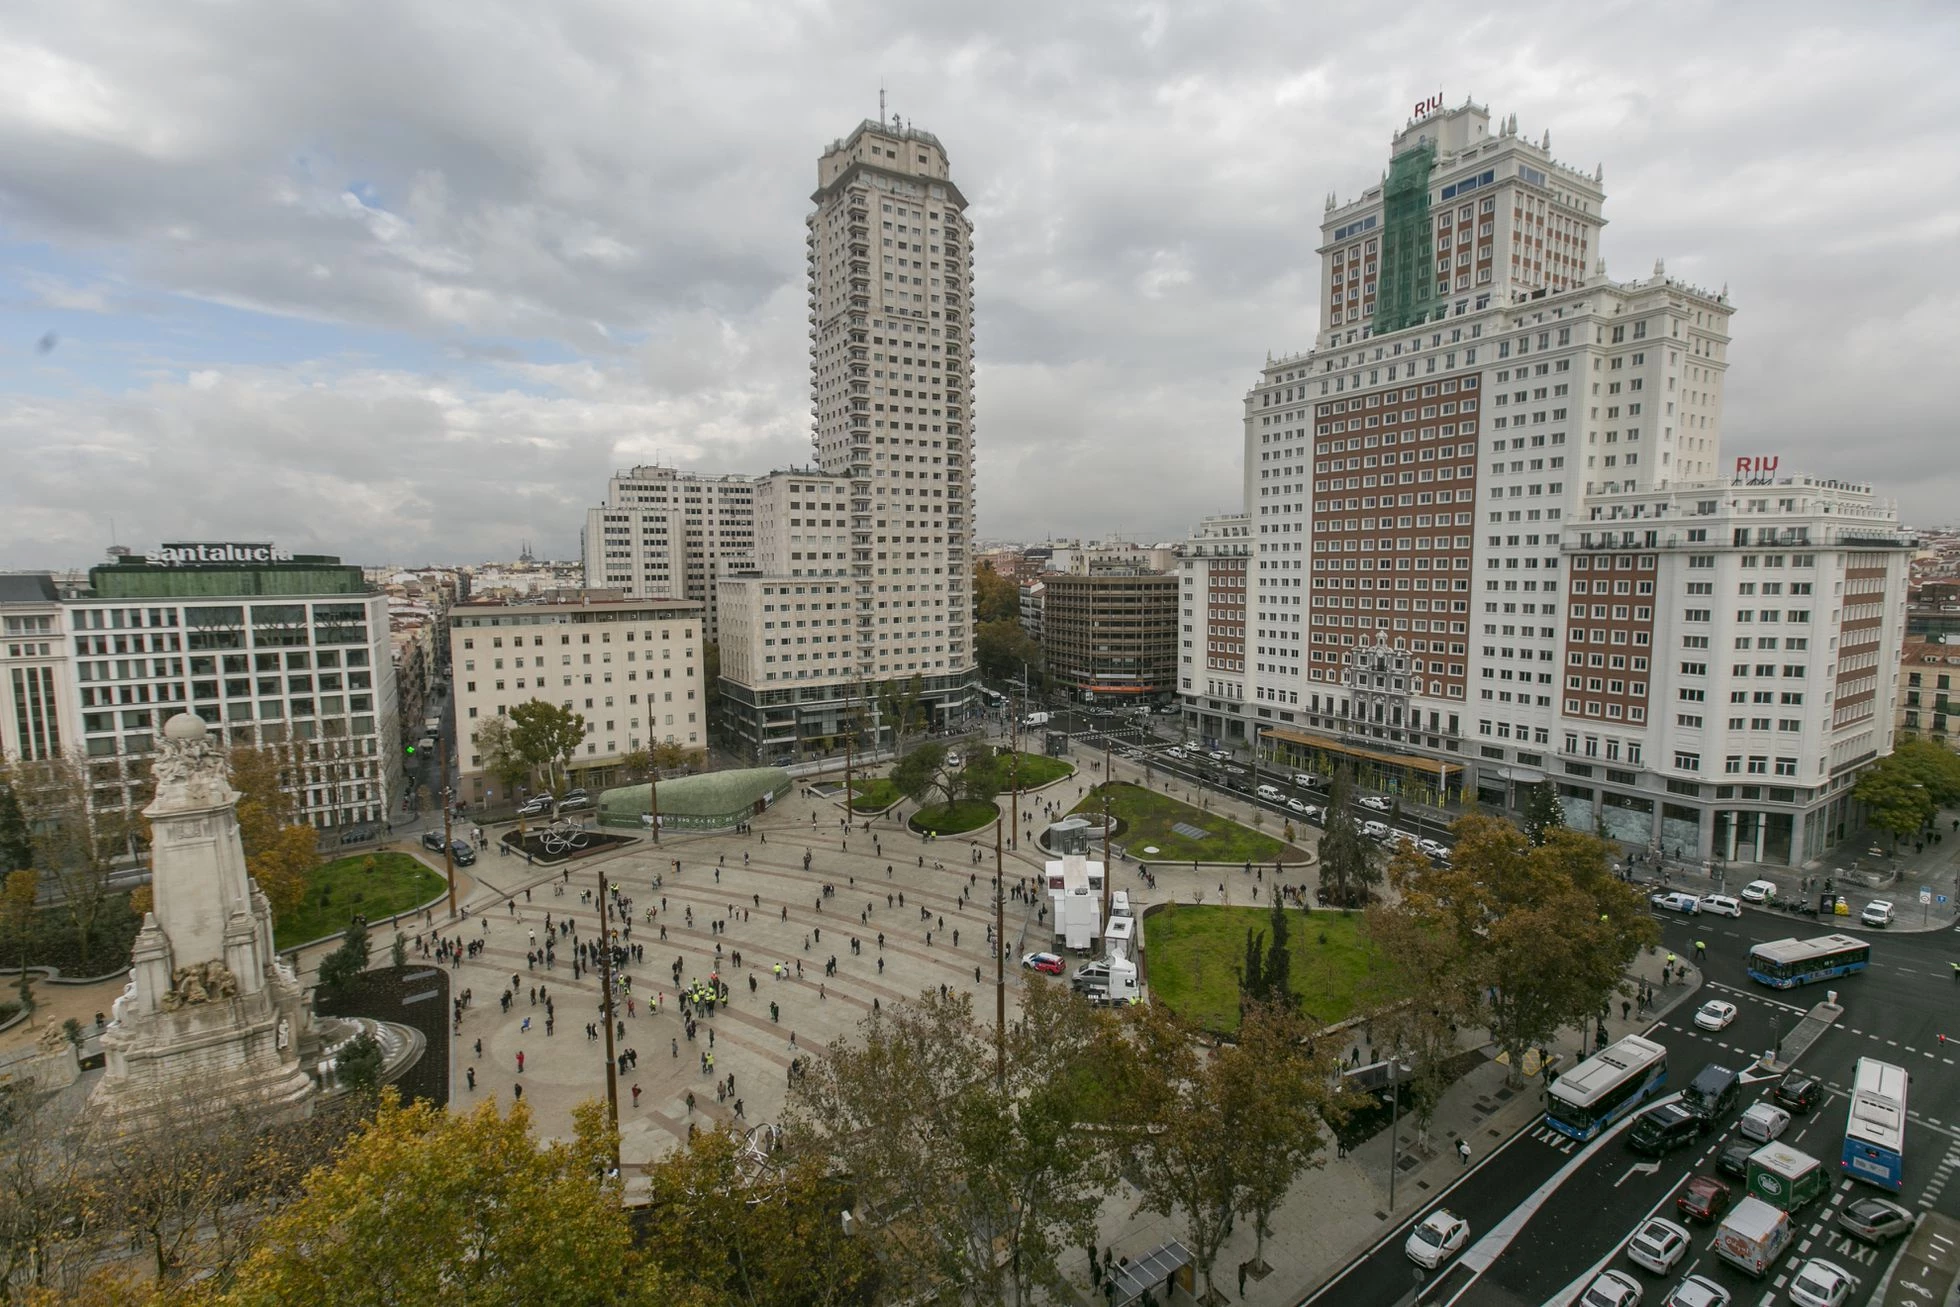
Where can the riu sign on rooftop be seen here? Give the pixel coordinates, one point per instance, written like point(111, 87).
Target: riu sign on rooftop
point(1429, 106)
point(1759, 470)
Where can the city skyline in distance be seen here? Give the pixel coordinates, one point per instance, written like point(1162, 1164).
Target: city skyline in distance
point(427, 318)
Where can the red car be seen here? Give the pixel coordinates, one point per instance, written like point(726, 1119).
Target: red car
point(1045, 962)
point(1704, 1199)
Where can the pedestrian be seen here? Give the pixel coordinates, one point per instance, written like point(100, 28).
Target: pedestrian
point(1242, 1266)
point(636, 1094)
point(1463, 1150)
point(469, 1074)
point(517, 1091)
point(520, 1055)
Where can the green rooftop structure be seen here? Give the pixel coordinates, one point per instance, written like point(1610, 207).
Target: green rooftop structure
point(713, 801)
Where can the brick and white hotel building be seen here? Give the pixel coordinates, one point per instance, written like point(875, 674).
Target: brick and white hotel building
point(1493, 540)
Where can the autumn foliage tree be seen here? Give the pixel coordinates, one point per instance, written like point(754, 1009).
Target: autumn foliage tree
point(280, 851)
point(433, 1207)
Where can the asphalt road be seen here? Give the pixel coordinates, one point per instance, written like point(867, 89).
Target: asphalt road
point(1895, 1011)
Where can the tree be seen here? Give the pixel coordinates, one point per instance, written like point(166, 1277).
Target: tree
point(711, 681)
point(546, 736)
point(1349, 868)
point(280, 851)
point(1541, 935)
point(668, 755)
point(1540, 811)
point(1906, 789)
point(1933, 765)
point(899, 706)
point(349, 960)
point(359, 1063)
point(1002, 647)
point(49, 1205)
point(1267, 976)
point(755, 1230)
point(972, 1185)
point(19, 897)
point(75, 843)
point(429, 1206)
point(496, 744)
point(995, 597)
point(1228, 1131)
point(918, 775)
point(16, 848)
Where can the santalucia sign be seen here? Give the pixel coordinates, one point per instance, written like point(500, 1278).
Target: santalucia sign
point(181, 555)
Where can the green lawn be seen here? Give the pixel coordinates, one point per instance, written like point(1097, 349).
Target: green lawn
point(953, 818)
point(397, 883)
point(874, 795)
point(1149, 816)
point(1036, 769)
point(1195, 952)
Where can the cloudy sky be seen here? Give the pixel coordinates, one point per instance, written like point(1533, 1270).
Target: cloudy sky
point(405, 281)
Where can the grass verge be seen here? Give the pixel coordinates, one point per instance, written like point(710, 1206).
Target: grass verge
point(337, 890)
point(1036, 769)
point(1195, 953)
point(953, 818)
point(1149, 819)
point(874, 795)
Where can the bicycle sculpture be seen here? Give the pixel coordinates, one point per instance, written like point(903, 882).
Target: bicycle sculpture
point(563, 837)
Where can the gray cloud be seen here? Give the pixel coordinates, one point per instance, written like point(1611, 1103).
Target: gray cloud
point(582, 224)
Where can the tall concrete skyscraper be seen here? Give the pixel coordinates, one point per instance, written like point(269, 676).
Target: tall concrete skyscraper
point(891, 377)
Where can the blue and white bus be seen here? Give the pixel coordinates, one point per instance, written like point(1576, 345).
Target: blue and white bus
point(1784, 963)
point(1605, 1087)
point(1875, 1134)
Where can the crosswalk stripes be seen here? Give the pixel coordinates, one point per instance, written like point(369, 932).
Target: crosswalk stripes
point(1942, 1172)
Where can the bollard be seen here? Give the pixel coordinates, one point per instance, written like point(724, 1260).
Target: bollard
point(1830, 996)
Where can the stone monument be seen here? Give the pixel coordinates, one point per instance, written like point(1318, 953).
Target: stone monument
point(210, 1011)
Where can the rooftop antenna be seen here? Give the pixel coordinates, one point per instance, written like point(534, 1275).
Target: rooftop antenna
point(881, 102)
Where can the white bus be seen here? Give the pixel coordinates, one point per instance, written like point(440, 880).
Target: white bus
point(1875, 1133)
point(1605, 1087)
point(1783, 963)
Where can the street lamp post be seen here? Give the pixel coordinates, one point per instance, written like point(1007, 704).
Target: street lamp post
point(606, 989)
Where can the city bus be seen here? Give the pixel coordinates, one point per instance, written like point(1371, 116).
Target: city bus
point(1786, 962)
point(1875, 1134)
point(1605, 1087)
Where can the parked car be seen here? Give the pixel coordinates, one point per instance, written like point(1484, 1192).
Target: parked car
point(1798, 1093)
point(1434, 848)
point(1441, 1236)
point(1877, 913)
point(1046, 963)
point(571, 801)
point(1875, 1220)
point(463, 853)
point(1715, 1014)
point(1306, 780)
point(1611, 1289)
point(1676, 901)
point(1759, 891)
point(1377, 803)
point(1819, 1283)
point(1375, 830)
point(1297, 806)
point(1721, 905)
point(432, 840)
point(1704, 1199)
point(1764, 1122)
point(535, 807)
point(1657, 1246)
point(1698, 1291)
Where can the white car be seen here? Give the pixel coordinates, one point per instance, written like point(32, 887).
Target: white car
point(1306, 780)
point(1877, 913)
point(1297, 806)
point(1676, 901)
point(1375, 830)
point(1377, 803)
point(1658, 1246)
point(1697, 1291)
point(1758, 891)
point(1819, 1283)
point(1440, 1237)
point(1611, 1289)
point(1721, 905)
point(1434, 848)
point(1715, 1015)
point(1765, 1121)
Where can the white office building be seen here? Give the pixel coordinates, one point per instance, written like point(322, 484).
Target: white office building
point(667, 534)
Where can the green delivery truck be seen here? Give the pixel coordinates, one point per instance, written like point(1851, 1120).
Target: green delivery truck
point(1784, 1177)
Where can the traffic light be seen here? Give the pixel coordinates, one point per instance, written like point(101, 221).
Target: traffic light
point(409, 749)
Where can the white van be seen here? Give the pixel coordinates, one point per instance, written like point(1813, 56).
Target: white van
point(1270, 793)
point(1036, 719)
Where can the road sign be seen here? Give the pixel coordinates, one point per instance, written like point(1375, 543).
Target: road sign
point(1925, 896)
point(1942, 900)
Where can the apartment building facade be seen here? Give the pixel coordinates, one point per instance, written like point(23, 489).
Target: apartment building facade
point(38, 721)
point(1211, 571)
point(890, 254)
point(632, 668)
point(668, 534)
point(1928, 698)
point(1479, 391)
point(1112, 634)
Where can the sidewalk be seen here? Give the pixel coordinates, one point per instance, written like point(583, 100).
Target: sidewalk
point(1337, 1212)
